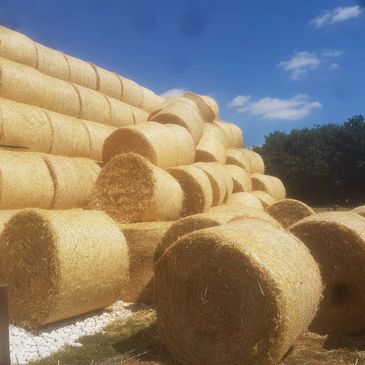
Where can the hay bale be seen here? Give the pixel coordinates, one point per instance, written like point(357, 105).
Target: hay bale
point(337, 242)
point(256, 161)
point(269, 184)
point(241, 179)
point(23, 125)
point(212, 103)
point(217, 180)
point(236, 157)
point(17, 47)
point(25, 181)
point(131, 92)
point(74, 180)
point(142, 240)
point(151, 101)
point(205, 110)
point(139, 115)
point(265, 198)
point(131, 189)
point(245, 200)
point(360, 210)
point(240, 306)
point(198, 194)
point(164, 145)
point(82, 73)
point(27, 85)
point(233, 133)
point(121, 114)
point(109, 83)
point(62, 264)
point(289, 211)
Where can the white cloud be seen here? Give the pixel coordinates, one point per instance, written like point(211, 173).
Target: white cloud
point(294, 108)
point(336, 15)
point(174, 92)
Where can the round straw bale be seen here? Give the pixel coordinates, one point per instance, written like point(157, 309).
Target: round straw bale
point(74, 180)
point(237, 157)
point(27, 85)
point(109, 83)
point(52, 62)
point(205, 110)
point(270, 184)
point(289, 211)
point(265, 198)
point(360, 210)
point(233, 133)
point(131, 189)
point(164, 145)
point(142, 240)
point(337, 242)
point(131, 92)
point(25, 181)
point(256, 161)
point(212, 103)
point(62, 264)
point(217, 180)
point(17, 47)
point(139, 115)
point(23, 125)
point(151, 101)
point(210, 150)
point(224, 296)
point(241, 179)
point(198, 194)
point(244, 200)
point(121, 114)
point(98, 134)
point(82, 73)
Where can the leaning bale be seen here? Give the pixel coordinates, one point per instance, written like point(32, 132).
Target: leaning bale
point(74, 180)
point(131, 189)
point(360, 210)
point(205, 110)
point(25, 181)
point(109, 83)
point(82, 73)
point(198, 194)
point(233, 133)
point(142, 240)
point(256, 161)
point(289, 211)
point(131, 92)
point(164, 145)
point(235, 156)
point(151, 101)
point(61, 264)
point(269, 184)
point(337, 242)
point(241, 179)
point(265, 198)
point(244, 200)
point(223, 294)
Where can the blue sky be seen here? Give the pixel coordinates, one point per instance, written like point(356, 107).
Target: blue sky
point(272, 65)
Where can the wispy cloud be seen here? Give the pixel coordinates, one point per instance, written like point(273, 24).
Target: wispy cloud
point(337, 15)
point(302, 62)
point(174, 92)
point(297, 107)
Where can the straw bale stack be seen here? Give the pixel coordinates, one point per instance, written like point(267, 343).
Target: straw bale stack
point(109, 83)
point(236, 156)
point(205, 107)
point(165, 145)
point(132, 92)
point(289, 211)
point(256, 161)
point(151, 101)
point(82, 73)
point(214, 313)
point(241, 179)
point(244, 200)
point(142, 240)
point(61, 264)
point(131, 189)
point(233, 132)
point(269, 184)
point(265, 198)
point(337, 242)
point(198, 194)
point(360, 210)
point(121, 114)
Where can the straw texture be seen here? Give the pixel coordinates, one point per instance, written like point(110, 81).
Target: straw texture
point(139, 115)
point(233, 133)
point(360, 210)
point(109, 83)
point(241, 179)
point(82, 73)
point(337, 242)
point(256, 161)
point(244, 200)
point(289, 211)
point(151, 101)
point(61, 264)
point(269, 184)
point(215, 313)
point(265, 198)
point(131, 92)
point(205, 109)
point(131, 189)
point(237, 157)
point(121, 114)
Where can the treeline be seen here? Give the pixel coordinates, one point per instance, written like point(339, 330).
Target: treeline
point(321, 165)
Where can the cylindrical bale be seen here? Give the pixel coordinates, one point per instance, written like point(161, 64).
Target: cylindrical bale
point(61, 264)
point(131, 92)
point(237, 157)
point(265, 198)
point(205, 110)
point(165, 145)
point(24, 125)
point(142, 240)
point(360, 210)
point(74, 180)
point(269, 184)
point(214, 217)
point(82, 73)
point(17, 47)
point(183, 112)
point(131, 189)
point(233, 133)
point(337, 242)
point(256, 161)
point(121, 114)
point(52, 62)
point(25, 181)
point(139, 115)
point(151, 101)
point(244, 200)
point(212, 103)
point(109, 83)
point(219, 290)
point(198, 194)
point(98, 134)
point(289, 211)
point(70, 136)
point(241, 178)
point(27, 85)
point(217, 180)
